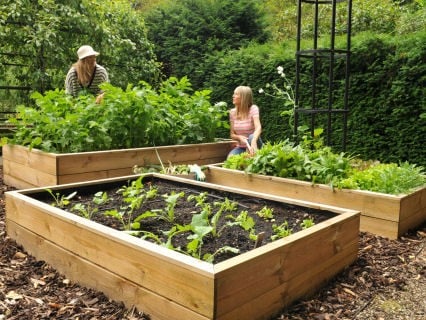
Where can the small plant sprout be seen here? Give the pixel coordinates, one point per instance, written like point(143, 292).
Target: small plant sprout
point(307, 223)
point(199, 199)
point(133, 196)
point(280, 231)
point(266, 213)
point(200, 227)
point(243, 220)
point(209, 257)
point(171, 201)
point(61, 200)
point(89, 211)
point(175, 230)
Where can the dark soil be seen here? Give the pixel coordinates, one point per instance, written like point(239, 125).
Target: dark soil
point(186, 208)
point(387, 281)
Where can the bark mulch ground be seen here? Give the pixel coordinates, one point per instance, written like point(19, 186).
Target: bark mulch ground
point(387, 281)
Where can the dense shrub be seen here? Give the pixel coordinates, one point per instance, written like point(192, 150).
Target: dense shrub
point(187, 32)
point(388, 97)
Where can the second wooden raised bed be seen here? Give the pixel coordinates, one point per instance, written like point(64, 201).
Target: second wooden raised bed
point(382, 214)
point(169, 285)
point(25, 168)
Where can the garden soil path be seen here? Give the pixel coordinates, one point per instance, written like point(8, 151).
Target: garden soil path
point(386, 282)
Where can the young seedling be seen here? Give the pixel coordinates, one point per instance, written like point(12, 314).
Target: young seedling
point(307, 223)
point(88, 212)
point(243, 220)
point(209, 257)
point(168, 214)
point(266, 213)
point(133, 196)
point(61, 200)
point(280, 231)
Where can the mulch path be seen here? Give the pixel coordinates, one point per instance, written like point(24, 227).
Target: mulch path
point(387, 281)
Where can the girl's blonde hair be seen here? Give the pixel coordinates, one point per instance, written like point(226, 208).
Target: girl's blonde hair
point(246, 96)
point(84, 68)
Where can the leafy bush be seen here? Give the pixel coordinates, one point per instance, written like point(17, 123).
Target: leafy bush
point(40, 40)
point(313, 162)
point(186, 33)
point(136, 117)
point(386, 16)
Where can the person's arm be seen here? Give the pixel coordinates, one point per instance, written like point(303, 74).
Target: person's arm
point(71, 82)
point(102, 76)
point(256, 133)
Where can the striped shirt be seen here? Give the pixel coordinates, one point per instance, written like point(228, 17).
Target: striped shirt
point(244, 127)
point(73, 86)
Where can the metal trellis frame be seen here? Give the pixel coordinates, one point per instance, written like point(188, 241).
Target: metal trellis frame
point(320, 103)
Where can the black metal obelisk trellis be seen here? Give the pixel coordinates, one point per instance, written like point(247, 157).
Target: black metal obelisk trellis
point(322, 70)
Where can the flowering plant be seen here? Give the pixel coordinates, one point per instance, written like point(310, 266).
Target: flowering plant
point(286, 93)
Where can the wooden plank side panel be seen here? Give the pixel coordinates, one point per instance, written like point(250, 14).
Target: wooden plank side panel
point(384, 228)
point(413, 204)
point(93, 175)
point(21, 176)
point(283, 260)
point(124, 255)
point(369, 203)
point(43, 161)
point(412, 222)
point(96, 277)
point(204, 153)
point(302, 286)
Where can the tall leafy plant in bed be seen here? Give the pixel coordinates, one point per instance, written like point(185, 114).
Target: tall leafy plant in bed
point(139, 116)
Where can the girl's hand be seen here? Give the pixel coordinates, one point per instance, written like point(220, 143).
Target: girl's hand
point(250, 149)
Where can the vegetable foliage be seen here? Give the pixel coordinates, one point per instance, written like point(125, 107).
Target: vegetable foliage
point(136, 117)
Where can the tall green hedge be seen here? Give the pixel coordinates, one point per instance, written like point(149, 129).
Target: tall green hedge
point(388, 97)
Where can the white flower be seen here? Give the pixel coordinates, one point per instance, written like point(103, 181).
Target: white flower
point(261, 90)
point(280, 70)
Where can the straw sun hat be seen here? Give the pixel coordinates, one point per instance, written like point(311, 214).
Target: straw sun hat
point(86, 51)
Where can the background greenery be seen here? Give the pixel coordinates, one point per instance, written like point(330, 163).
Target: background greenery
point(39, 41)
point(221, 44)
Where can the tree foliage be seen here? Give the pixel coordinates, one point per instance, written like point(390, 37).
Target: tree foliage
point(186, 32)
point(39, 40)
point(386, 16)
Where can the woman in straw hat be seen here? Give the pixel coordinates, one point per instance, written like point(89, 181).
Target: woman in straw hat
point(86, 75)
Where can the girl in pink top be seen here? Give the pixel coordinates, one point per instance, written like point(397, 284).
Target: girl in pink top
point(245, 122)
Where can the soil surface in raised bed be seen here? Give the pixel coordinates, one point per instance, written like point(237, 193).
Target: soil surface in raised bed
point(211, 202)
point(386, 282)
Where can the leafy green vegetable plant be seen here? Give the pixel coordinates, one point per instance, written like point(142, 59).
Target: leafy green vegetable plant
point(168, 214)
point(138, 116)
point(311, 161)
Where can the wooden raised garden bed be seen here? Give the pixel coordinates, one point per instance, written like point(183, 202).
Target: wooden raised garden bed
point(173, 286)
point(25, 168)
point(382, 214)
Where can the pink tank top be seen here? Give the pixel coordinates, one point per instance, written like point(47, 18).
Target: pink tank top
point(244, 127)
